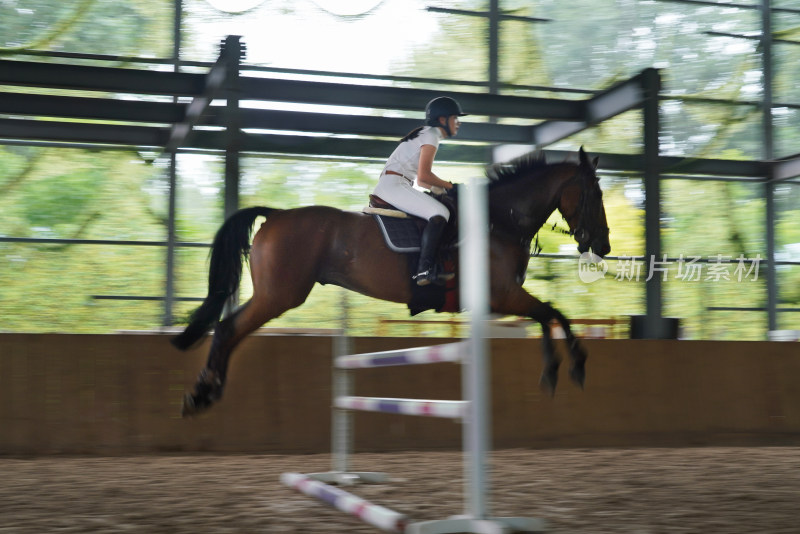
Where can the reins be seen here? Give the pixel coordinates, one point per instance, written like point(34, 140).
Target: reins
point(583, 208)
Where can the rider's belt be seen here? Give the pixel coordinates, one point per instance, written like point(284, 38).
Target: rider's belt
point(399, 174)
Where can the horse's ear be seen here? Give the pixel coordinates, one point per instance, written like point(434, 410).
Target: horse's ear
point(582, 157)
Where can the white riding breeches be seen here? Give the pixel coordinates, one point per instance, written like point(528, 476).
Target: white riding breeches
point(398, 191)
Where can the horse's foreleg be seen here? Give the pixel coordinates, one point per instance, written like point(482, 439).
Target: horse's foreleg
point(577, 370)
point(551, 361)
point(519, 302)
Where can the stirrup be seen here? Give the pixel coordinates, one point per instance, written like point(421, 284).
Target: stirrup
point(425, 277)
point(432, 275)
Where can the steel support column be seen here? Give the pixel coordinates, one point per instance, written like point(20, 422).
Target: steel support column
point(768, 155)
point(169, 290)
point(233, 51)
point(494, 46)
point(652, 204)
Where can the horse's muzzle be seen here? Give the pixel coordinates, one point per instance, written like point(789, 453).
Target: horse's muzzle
point(600, 247)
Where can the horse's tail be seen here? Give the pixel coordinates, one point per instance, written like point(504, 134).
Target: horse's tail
point(228, 252)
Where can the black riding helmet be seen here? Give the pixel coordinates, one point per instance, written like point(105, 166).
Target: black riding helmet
point(442, 106)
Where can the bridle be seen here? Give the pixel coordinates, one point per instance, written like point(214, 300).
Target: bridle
point(520, 223)
point(581, 233)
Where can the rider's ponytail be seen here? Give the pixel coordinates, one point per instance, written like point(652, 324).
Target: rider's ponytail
point(412, 134)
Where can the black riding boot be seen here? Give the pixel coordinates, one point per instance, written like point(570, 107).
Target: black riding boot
point(427, 271)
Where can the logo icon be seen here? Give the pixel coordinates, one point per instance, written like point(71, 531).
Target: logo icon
point(591, 267)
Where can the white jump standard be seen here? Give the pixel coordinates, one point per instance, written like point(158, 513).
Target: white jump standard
point(473, 411)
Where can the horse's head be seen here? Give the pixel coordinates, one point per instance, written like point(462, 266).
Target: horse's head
point(581, 204)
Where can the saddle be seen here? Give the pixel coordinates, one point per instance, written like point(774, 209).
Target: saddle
point(402, 233)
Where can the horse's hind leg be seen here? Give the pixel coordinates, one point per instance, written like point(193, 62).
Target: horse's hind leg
point(551, 361)
point(227, 335)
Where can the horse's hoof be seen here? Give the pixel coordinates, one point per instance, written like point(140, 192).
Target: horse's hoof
point(578, 375)
point(207, 391)
point(189, 407)
point(548, 381)
point(193, 405)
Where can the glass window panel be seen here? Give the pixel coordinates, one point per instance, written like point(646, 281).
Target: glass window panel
point(722, 246)
point(58, 193)
point(786, 25)
point(454, 49)
point(711, 130)
point(523, 56)
point(626, 38)
point(68, 194)
point(199, 199)
point(786, 59)
point(116, 27)
point(789, 4)
point(191, 279)
point(361, 37)
point(787, 135)
point(789, 300)
point(623, 134)
point(53, 287)
point(787, 250)
point(291, 184)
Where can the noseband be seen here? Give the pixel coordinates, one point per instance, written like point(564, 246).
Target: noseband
point(580, 232)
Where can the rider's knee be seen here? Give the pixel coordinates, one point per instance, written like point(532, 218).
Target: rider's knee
point(442, 212)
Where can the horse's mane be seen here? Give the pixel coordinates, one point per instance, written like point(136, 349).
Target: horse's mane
point(507, 172)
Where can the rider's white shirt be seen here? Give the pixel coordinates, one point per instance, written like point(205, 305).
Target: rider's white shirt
point(399, 190)
point(405, 158)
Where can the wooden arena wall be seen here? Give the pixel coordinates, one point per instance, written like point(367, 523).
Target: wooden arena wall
point(121, 394)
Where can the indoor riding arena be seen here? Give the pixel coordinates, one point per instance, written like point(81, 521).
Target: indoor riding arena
point(551, 386)
point(662, 439)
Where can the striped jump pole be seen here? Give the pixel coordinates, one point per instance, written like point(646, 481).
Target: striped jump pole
point(473, 411)
point(450, 352)
point(429, 408)
point(377, 516)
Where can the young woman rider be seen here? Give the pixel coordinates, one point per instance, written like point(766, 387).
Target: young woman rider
point(413, 160)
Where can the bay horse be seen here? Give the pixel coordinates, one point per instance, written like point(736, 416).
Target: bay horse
point(296, 248)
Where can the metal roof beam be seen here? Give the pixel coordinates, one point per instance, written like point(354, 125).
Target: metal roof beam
point(156, 137)
point(149, 137)
point(88, 108)
point(103, 79)
point(407, 99)
point(672, 165)
point(622, 97)
point(39, 130)
point(166, 113)
point(139, 81)
point(785, 169)
point(393, 127)
point(214, 83)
